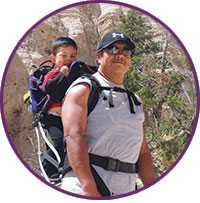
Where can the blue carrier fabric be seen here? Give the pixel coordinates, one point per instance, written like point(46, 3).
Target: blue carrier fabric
point(37, 94)
point(79, 68)
point(40, 100)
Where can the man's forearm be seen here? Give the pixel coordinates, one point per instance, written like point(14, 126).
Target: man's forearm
point(146, 169)
point(79, 160)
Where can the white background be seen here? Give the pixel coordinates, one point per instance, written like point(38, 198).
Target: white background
point(18, 184)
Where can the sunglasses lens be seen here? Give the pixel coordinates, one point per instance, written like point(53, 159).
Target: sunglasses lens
point(113, 50)
point(127, 52)
point(116, 50)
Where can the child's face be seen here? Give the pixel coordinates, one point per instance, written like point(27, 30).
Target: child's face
point(64, 56)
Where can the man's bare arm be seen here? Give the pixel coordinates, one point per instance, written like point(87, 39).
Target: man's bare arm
point(74, 118)
point(145, 164)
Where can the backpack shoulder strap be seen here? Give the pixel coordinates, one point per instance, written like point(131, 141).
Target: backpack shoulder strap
point(97, 89)
point(132, 98)
point(94, 94)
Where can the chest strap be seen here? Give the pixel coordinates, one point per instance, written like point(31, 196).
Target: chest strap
point(110, 164)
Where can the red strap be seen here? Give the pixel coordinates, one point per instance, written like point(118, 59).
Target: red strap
point(47, 61)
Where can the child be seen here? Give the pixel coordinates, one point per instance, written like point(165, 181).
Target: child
point(64, 53)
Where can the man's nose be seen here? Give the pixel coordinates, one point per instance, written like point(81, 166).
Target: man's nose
point(120, 54)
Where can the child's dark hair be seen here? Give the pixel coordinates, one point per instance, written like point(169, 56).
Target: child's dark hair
point(63, 42)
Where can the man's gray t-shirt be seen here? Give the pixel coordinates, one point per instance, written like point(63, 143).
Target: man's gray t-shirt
point(112, 132)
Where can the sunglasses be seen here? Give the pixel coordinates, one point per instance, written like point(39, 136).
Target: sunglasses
point(116, 50)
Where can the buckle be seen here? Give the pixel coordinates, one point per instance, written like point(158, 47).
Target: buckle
point(111, 164)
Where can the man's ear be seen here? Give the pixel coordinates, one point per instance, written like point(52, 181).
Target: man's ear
point(53, 58)
point(98, 56)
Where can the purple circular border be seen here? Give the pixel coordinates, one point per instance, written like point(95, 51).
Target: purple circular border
point(125, 5)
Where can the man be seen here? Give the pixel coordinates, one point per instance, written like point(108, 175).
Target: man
point(111, 137)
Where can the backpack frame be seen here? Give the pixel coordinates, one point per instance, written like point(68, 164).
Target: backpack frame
point(39, 102)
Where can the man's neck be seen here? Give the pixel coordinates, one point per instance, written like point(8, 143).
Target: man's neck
point(118, 80)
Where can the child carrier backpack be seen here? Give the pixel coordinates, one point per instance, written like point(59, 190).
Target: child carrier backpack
point(39, 101)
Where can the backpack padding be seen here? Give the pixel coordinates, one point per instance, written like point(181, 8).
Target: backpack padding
point(79, 68)
point(94, 94)
point(35, 86)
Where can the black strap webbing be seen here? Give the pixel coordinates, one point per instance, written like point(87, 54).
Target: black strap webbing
point(111, 164)
point(97, 89)
point(131, 96)
point(101, 186)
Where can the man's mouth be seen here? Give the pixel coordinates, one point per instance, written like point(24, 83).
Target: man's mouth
point(120, 62)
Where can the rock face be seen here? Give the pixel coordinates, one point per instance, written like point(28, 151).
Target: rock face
point(85, 24)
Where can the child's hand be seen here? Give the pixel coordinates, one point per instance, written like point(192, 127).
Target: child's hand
point(65, 70)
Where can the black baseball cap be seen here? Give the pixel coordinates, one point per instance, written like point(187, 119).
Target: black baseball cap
point(112, 37)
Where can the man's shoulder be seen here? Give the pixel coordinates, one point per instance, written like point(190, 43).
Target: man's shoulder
point(79, 87)
point(81, 81)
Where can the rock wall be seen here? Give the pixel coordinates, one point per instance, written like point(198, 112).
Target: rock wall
point(85, 24)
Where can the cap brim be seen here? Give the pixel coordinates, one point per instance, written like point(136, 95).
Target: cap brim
point(130, 44)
